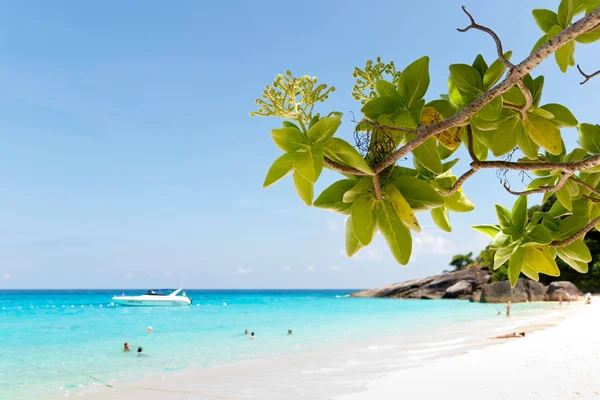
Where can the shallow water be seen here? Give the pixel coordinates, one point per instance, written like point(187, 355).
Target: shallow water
point(53, 343)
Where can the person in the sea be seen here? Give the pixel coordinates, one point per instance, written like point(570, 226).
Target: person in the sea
point(588, 298)
point(139, 351)
point(245, 331)
point(508, 309)
point(126, 347)
point(252, 335)
point(510, 335)
point(289, 331)
point(149, 329)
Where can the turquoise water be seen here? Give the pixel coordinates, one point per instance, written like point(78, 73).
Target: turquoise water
point(54, 342)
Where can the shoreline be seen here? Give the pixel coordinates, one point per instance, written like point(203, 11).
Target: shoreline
point(346, 370)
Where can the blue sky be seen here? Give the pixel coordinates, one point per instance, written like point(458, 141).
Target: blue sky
point(128, 159)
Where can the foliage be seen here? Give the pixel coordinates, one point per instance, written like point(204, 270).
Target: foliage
point(494, 110)
point(461, 261)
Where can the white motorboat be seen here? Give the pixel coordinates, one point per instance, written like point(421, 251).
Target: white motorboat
point(158, 298)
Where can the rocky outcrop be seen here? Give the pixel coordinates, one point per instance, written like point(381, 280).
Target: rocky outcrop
point(565, 289)
point(459, 284)
point(474, 284)
point(524, 290)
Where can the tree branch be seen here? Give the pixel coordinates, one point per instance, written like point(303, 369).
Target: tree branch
point(576, 236)
point(377, 187)
point(571, 167)
point(516, 74)
point(470, 144)
point(528, 99)
point(586, 76)
point(585, 185)
point(342, 168)
point(457, 185)
point(490, 32)
point(542, 189)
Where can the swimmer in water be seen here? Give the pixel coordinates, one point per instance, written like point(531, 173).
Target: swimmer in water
point(139, 351)
point(126, 347)
point(149, 329)
point(289, 331)
point(246, 332)
point(252, 336)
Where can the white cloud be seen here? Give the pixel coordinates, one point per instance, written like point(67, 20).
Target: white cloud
point(427, 243)
point(244, 271)
point(5, 276)
point(332, 226)
point(129, 275)
point(335, 268)
point(311, 268)
point(286, 268)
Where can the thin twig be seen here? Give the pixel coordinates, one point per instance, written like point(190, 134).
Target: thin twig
point(586, 76)
point(576, 236)
point(457, 185)
point(542, 189)
point(585, 185)
point(470, 144)
point(517, 73)
point(475, 25)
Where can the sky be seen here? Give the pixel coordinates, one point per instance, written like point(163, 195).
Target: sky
point(128, 158)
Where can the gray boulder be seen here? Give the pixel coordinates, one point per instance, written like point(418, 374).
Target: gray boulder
point(565, 288)
point(459, 289)
point(524, 290)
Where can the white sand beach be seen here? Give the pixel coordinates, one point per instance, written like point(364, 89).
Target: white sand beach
point(561, 362)
point(558, 359)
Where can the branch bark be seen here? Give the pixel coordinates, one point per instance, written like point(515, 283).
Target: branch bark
point(585, 185)
point(342, 168)
point(457, 185)
point(517, 73)
point(571, 167)
point(586, 76)
point(578, 235)
point(542, 189)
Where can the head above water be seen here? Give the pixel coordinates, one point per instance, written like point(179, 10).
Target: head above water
point(289, 331)
point(252, 334)
point(126, 346)
point(139, 350)
point(149, 329)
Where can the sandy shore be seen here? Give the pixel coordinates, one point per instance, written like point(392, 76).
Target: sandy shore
point(557, 363)
point(557, 360)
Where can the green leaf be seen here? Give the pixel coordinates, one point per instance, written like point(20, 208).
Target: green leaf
point(529, 272)
point(545, 19)
point(514, 96)
point(280, 168)
point(505, 137)
point(562, 116)
point(332, 198)
point(352, 243)
point(514, 267)
point(540, 112)
point(427, 154)
point(309, 163)
point(289, 139)
point(544, 133)
point(441, 218)
point(385, 88)
point(348, 155)
point(490, 230)
point(500, 240)
point(364, 184)
point(540, 260)
point(480, 65)
point(363, 220)
point(564, 197)
point(459, 202)
point(577, 250)
point(402, 208)
point(495, 72)
point(565, 56)
point(558, 210)
point(288, 124)
point(503, 255)
point(416, 109)
point(526, 145)
point(418, 194)
point(304, 188)
point(454, 94)
point(565, 13)
point(444, 107)
point(537, 92)
point(540, 235)
point(395, 233)
point(324, 129)
point(401, 119)
point(504, 216)
point(414, 81)
point(589, 137)
point(466, 78)
point(314, 120)
point(579, 266)
point(589, 37)
point(540, 42)
point(571, 225)
point(492, 110)
point(519, 214)
point(379, 106)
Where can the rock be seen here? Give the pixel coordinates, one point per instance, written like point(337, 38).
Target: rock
point(524, 290)
point(433, 287)
point(562, 287)
point(475, 297)
point(461, 288)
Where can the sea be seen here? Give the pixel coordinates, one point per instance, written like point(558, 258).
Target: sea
point(56, 343)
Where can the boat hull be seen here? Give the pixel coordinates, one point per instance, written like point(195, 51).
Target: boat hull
point(139, 302)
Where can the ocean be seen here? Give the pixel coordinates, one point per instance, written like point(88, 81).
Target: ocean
point(57, 342)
